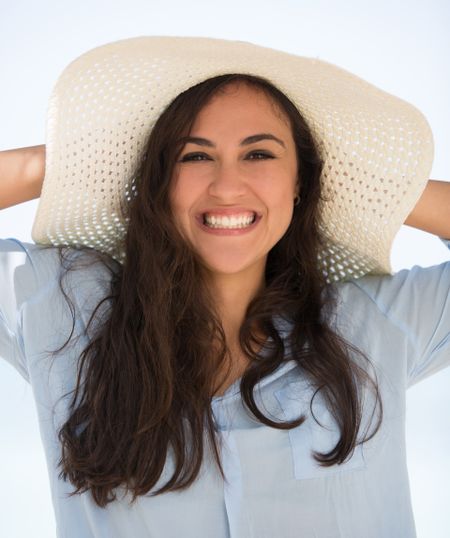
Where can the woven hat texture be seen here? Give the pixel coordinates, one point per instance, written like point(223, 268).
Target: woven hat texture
point(377, 148)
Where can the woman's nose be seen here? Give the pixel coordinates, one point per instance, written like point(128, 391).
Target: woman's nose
point(228, 181)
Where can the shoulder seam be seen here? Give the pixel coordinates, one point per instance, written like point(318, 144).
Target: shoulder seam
point(392, 319)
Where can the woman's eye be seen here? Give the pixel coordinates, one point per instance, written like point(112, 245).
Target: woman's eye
point(260, 153)
point(191, 157)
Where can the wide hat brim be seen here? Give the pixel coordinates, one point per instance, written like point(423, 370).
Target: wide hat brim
point(377, 148)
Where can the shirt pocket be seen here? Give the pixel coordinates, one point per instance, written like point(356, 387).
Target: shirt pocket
point(311, 436)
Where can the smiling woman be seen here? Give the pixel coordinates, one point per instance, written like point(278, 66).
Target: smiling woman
point(217, 354)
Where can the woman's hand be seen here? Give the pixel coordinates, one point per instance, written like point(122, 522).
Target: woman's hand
point(432, 211)
point(22, 172)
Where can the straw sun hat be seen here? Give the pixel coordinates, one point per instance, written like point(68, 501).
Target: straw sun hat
point(377, 148)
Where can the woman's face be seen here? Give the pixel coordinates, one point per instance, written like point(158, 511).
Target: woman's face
point(223, 173)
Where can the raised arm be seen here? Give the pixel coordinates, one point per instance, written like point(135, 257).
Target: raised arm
point(21, 174)
point(432, 211)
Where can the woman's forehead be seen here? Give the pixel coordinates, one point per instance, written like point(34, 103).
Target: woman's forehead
point(250, 102)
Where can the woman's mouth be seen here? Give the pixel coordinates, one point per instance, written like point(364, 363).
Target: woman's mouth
point(228, 225)
point(231, 222)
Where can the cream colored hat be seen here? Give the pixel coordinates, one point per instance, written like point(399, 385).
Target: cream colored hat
point(378, 149)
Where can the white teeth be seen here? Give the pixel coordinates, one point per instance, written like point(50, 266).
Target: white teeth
point(228, 222)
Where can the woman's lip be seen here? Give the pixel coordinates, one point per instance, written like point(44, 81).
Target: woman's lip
point(227, 231)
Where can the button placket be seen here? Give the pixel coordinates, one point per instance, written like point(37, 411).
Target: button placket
point(231, 462)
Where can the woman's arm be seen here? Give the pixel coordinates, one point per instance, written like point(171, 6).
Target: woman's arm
point(432, 211)
point(21, 174)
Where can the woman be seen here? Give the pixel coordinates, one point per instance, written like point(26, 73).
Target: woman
point(217, 373)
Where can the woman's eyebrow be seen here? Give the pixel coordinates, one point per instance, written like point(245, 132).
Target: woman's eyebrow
point(248, 140)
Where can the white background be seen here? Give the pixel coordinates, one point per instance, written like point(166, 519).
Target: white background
point(402, 47)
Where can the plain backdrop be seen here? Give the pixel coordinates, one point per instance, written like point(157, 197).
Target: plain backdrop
point(402, 47)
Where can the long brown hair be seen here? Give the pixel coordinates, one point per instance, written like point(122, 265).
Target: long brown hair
point(147, 371)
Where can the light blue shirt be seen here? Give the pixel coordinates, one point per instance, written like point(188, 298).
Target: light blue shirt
point(275, 489)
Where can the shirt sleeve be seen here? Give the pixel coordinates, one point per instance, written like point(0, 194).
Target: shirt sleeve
point(34, 313)
point(18, 283)
point(417, 301)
